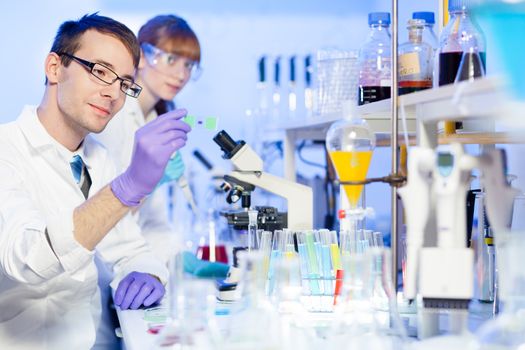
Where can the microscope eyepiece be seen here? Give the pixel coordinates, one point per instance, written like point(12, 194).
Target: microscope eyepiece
point(227, 144)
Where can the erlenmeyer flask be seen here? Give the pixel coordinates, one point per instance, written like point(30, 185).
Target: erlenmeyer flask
point(470, 67)
point(254, 323)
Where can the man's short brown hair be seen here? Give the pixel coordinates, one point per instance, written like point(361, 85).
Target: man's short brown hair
point(67, 39)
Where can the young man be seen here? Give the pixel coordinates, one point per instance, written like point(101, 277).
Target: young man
point(61, 207)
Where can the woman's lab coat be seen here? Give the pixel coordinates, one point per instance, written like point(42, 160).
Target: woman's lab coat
point(49, 298)
point(152, 216)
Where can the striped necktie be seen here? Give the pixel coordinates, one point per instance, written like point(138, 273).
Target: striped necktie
point(78, 168)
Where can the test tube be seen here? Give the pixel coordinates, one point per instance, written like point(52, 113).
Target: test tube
point(369, 238)
point(288, 244)
point(336, 264)
point(266, 242)
point(265, 248)
point(326, 262)
point(258, 237)
point(313, 267)
point(275, 256)
point(252, 229)
point(303, 260)
point(378, 239)
point(334, 252)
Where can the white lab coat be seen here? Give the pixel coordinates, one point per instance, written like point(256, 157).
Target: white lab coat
point(153, 218)
point(49, 298)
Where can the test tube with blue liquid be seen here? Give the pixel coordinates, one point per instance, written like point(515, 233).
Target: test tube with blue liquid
point(307, 239)
point(326, 262)
point(275, 256)
point(303, 261)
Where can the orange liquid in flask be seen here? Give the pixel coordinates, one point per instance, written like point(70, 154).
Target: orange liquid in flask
point(351, 166)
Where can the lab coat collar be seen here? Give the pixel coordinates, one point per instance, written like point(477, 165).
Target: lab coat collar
point(39, 138)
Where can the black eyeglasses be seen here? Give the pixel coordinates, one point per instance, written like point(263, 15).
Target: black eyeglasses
point(108, 76)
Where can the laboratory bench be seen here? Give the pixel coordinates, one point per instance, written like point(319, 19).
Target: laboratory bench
point(139, 331)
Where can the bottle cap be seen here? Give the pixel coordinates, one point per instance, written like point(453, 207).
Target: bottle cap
point(379, 18)
point(461, 5)
point(427, 16)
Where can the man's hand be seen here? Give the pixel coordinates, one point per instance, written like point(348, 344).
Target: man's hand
point(137, 289)
point(155, 142)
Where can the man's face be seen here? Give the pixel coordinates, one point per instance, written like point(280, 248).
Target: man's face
point(87, 103)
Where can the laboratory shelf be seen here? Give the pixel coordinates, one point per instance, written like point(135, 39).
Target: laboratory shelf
point(377, 115)
point(482, 102)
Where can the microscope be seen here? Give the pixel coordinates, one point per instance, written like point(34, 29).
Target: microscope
point(439, 265)
point(241, 182)
point(248, 173)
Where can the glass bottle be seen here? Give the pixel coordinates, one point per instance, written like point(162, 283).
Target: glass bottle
point(429, 35)
point(462, 34)
point(375, 61)
point(415, 60)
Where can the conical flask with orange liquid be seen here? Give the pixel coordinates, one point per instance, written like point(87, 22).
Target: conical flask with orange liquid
point(350, 143)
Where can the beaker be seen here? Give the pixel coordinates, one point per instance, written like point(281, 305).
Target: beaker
point(254, 322)
point(507, 330)
point(366, 313)
point(210, 246)
point(191, 320)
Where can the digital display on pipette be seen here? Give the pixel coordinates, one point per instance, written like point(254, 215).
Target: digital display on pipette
point(445, 162)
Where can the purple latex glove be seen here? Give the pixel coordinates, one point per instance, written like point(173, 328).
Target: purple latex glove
point(137, 289)
point(155, 142)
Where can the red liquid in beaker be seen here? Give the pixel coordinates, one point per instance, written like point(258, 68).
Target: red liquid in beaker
point(203, 253)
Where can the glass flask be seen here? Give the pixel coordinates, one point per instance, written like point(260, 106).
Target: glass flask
point(254, 321)
point(191, 322)
point(350, 143)
point(507, 330)
point(415, 60)
point(366, 315)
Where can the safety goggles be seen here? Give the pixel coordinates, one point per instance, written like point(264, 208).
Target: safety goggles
point(166, 62)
